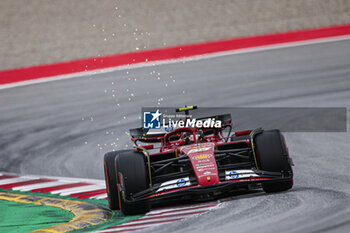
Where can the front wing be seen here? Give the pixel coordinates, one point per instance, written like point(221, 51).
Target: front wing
point(232, 181)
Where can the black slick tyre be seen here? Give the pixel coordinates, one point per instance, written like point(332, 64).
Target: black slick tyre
point(131, 168)
point(272, 155)
point(111, 180)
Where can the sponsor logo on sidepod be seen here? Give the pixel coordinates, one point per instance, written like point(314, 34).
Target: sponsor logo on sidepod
point(181, 182)
point(233, 175)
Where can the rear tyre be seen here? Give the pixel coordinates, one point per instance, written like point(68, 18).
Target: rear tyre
point(273, 156)
point(131, 167)
point(111, 180)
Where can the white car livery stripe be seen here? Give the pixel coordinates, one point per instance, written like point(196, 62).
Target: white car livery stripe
point(238, 174)
point(172, 184)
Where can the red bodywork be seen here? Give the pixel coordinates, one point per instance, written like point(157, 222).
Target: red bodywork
point(203, 162)
point(196, 162)
point(200, 152)
point(200, 162)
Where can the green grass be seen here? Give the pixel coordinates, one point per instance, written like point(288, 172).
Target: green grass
point(117, 218)
point(19, 217)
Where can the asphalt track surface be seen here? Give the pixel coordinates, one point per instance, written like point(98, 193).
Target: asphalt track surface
point(63, 128)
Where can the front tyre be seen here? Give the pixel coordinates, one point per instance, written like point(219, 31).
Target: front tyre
point(131, 168)
point(111, 180)
point(273, 156)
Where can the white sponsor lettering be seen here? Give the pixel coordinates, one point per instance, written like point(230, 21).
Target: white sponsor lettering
point(208, 123)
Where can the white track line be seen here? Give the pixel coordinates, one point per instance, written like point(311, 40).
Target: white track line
point(102, 196)
point(182, 210)
point(167, 217)
point(15, 180)
point(170, 61)
point(165, 213)
point(69, 190)
point(122, 230)
point(77, 180)
point(86, 188)
point(163, 216)
point(152, 221)
point(125, 227)
point(60, 178)
point(41, 185)
point(92, 184)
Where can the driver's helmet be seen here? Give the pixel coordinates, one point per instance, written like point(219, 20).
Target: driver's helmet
point(187, 138)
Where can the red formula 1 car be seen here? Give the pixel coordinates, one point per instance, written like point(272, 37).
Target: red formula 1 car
point(195, 162)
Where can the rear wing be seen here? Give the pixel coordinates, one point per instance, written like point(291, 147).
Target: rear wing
point(146, 135)
point(225, 118)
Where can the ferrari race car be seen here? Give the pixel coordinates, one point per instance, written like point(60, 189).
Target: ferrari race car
point(194, 163)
